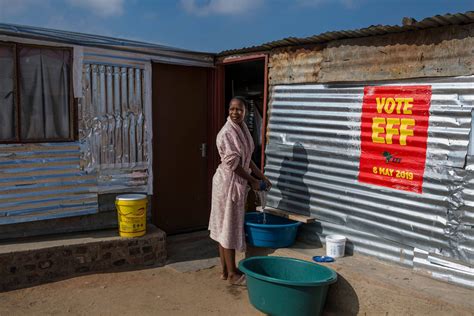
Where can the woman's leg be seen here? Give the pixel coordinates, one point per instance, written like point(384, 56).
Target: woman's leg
point(234, 275)
point(223, 264)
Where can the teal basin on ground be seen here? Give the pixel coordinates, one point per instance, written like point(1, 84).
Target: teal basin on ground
point(287, 286)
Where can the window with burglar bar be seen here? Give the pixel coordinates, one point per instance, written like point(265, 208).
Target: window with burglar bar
point(35, 94)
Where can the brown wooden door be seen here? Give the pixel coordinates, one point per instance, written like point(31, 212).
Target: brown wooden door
point(180, 175)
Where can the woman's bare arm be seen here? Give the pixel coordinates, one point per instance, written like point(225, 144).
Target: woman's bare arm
point(251, 180)
point(257, 171)
point(260, 174)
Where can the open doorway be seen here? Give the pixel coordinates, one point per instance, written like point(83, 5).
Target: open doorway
point(247, 79)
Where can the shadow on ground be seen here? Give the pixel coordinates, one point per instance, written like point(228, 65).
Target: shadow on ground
point(341, 299)
point(191, 252)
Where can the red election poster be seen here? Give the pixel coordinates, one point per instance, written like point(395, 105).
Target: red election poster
point(394, 132)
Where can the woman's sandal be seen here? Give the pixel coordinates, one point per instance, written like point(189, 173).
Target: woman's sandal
point(223, 276)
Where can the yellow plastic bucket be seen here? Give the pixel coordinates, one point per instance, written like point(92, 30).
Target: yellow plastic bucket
point(131, 211)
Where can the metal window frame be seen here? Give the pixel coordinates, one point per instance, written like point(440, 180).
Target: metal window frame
point(12, 47)
point(73, 128)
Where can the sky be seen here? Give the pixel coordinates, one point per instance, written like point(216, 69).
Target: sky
point(217, 25)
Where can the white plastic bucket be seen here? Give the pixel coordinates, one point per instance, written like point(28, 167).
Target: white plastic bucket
point(335, 246)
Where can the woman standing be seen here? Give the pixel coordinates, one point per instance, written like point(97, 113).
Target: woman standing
point(229, 189)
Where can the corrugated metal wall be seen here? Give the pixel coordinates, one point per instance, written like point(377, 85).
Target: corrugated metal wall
point(113, 154)
point(113, 127)
point(44, 181)
point(313, 159)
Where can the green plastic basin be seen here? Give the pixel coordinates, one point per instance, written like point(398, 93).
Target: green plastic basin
point(287, 286)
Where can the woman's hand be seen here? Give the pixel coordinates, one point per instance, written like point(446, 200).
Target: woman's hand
point(255, 184)
point(268, 183)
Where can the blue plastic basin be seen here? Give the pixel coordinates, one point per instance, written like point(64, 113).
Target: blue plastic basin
point(277, 232)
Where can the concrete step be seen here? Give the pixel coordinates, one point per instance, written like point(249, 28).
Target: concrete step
point(36, 261)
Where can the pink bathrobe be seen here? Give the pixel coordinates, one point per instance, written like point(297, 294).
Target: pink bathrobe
point(229, 191)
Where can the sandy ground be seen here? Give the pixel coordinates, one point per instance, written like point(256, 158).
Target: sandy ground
point(190, 285)
point(156, 291)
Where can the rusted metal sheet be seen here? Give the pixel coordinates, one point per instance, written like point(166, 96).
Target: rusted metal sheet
point(313, 159)
point(113, 128)
point(44, 181)
point(431, 22)
point(425, 53)
point(295, 66)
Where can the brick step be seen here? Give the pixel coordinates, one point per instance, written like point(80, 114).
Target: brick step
point(36, 261)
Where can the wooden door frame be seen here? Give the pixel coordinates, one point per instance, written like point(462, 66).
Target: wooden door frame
point(210, 74)
point(215, 120)
point(218, 103)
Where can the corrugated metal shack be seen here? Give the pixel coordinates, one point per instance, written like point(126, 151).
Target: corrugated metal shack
point(313, 142)
point(69, 184)
point(311, 99)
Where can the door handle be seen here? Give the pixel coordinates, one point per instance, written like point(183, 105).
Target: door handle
point(203, 150)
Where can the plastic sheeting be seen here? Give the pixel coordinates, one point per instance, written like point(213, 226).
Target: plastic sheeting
point(44, 93)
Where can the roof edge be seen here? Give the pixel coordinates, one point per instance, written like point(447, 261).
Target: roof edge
point(85, 39)
point(408, 24)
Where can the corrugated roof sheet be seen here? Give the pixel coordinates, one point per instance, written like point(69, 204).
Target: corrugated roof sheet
point(435, 21)
point(144, 47)
point(86, 39)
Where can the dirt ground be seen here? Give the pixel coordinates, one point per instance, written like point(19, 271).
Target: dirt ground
point(156, 291)
point(189, 285)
